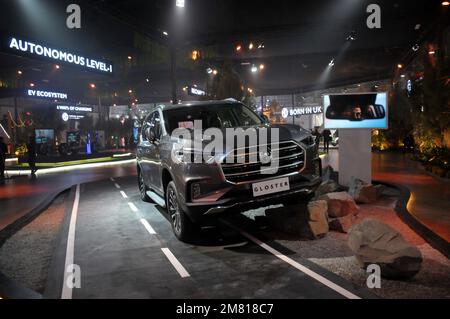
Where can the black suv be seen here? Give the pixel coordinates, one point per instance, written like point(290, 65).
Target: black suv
point(194, 192)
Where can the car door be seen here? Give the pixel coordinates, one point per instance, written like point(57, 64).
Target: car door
point(153, 152)
point(149, 150)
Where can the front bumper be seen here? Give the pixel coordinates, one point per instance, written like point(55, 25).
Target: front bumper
point(242, 199)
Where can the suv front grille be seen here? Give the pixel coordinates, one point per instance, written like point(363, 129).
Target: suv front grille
point(291, 158)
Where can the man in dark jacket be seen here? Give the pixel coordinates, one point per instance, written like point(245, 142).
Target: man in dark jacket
point(32, 155)
point(326, 140)
point(3, 151)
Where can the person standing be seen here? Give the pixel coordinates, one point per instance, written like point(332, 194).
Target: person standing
point(326, 140)
point(32, 155)
point(3, 151)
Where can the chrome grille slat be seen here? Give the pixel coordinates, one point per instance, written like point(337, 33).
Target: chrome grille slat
point(263, 170)
point(291, 160)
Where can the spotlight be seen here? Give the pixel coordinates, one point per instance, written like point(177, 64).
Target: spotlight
point(130, 58)
point(215, 72)
point(262, 67)
point(239, 48)
point(130, 91)
point(261, 46)
point(57, 67)
point(400, 66)
point(445, 3)
point(209, 70)
point(352, 36)
point(416, 48)
point(19, 72)
point(431, 52)
point(166, 33)
point(254, 69)
point(251, 46)
point(180, 3)
point(92, 86)
point(331, 63)
point(32, 85)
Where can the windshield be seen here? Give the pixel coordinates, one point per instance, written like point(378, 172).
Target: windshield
point(212, 116)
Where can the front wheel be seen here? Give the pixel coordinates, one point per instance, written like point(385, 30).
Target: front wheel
point(183, 228)
point(143, 188)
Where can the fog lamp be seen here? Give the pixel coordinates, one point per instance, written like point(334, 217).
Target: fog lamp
point(196, 190)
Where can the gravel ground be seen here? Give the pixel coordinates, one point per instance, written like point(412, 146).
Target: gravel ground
point(26, 256)
point(333, 253)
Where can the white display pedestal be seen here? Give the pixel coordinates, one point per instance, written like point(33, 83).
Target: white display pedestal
point(355, 155)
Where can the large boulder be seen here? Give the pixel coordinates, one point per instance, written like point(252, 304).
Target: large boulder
point(340, 204)
point(376, 243)
point(327, 187)
point(308, 222)
point(343, 224)
point(362, 192)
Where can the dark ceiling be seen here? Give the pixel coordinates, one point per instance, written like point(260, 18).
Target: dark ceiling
point(300, 39)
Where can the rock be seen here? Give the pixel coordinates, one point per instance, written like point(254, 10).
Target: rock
point(362, 192)
point(327, 187)
point(380, 190)
point(340, 204)
point(343, 224)
point(309, 222)
point(328, 173)
point(318, 221)
point(376, 243)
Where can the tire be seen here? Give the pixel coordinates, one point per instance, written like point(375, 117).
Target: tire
point(143, 188)
point(183, 228)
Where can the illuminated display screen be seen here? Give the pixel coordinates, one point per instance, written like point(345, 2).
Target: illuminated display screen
point(356, 111)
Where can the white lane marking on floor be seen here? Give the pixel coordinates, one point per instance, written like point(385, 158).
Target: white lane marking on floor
point(175, 263)
point(133, 207)
point(148, 227)
point(124, 195)
point(117, 185)
point(347, 294)
point(70, 250)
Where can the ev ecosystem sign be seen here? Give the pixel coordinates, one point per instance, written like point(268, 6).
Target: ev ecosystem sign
point(35, 49)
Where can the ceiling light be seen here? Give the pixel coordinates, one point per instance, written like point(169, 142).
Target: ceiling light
point(57, 67)
point(254, 69)
point(251, 46)
point(209, 70)
point(262, 66)
point(416, 48)
point(400, 66)
point(445, 3)
point(215, 72)
point(331, 63)
point(165, 33)
point(32, 85)
point(92, 86)
point(431, 52)
point(239, 48)
point(130, 91)
point(130, 58)
point(19, 72)
point(180, 3)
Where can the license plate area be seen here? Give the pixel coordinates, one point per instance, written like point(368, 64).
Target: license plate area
point(271, 187)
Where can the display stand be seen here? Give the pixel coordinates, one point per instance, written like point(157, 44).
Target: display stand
point(355, 155)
